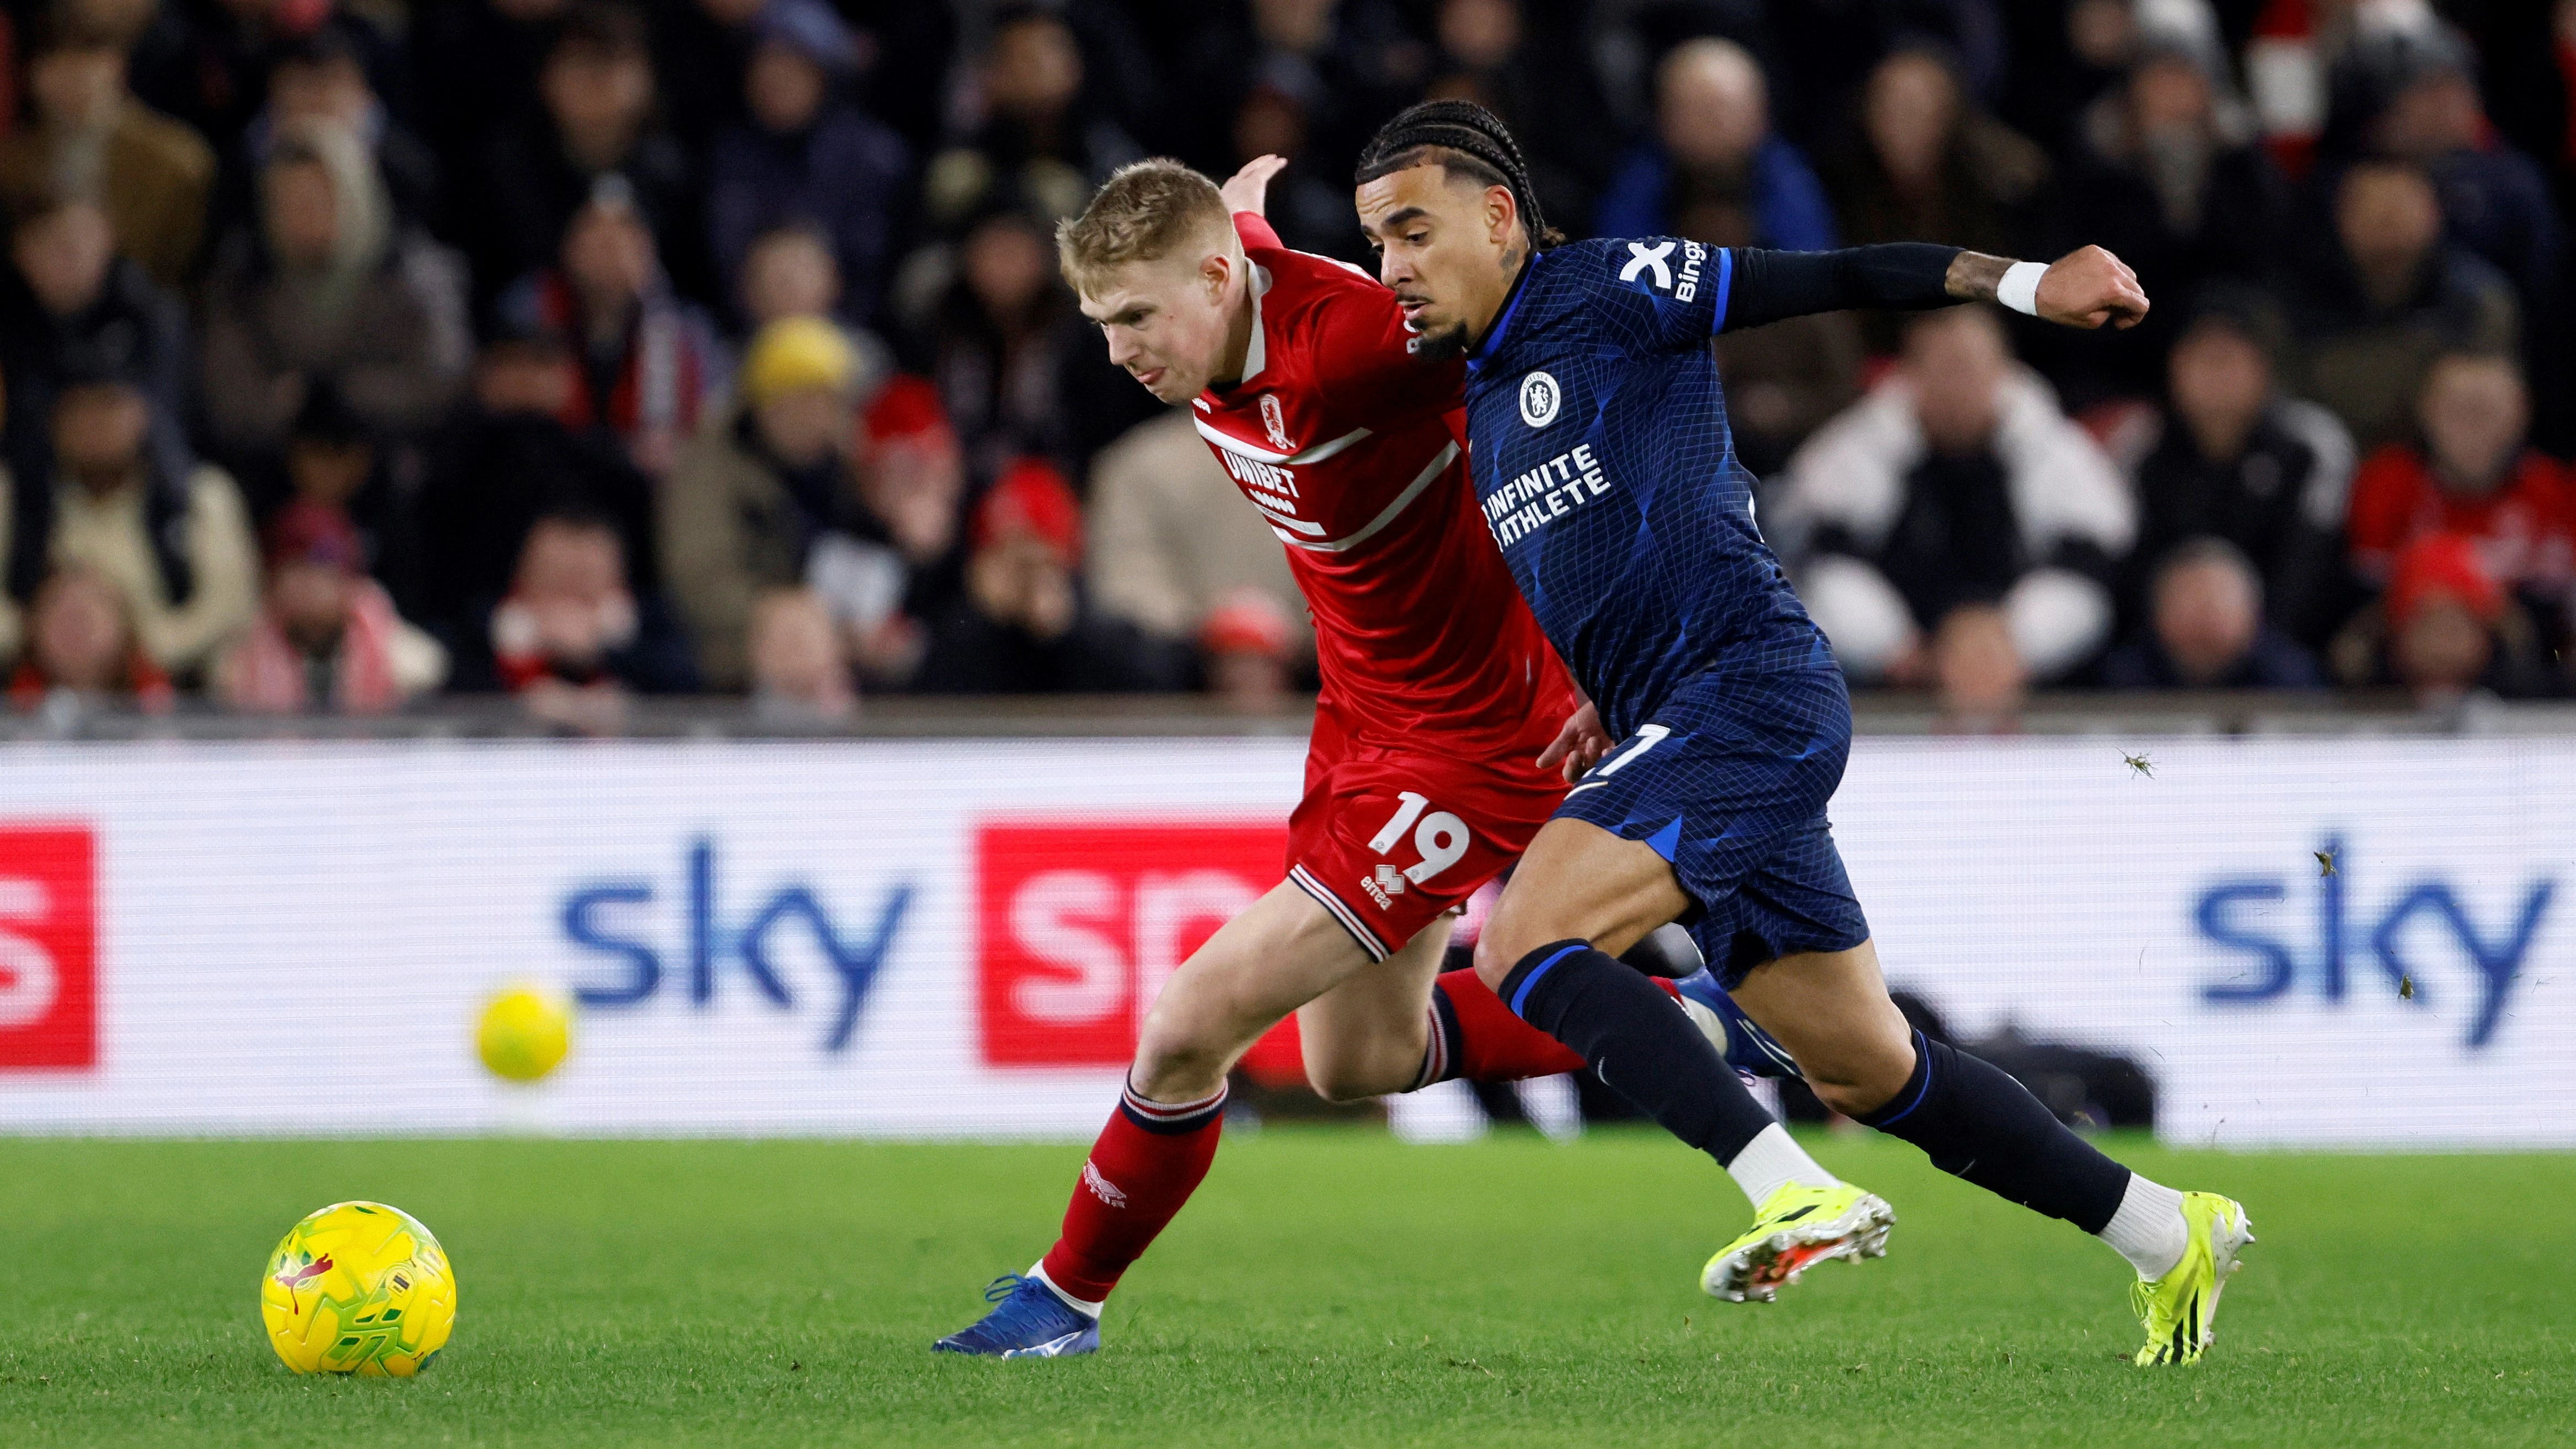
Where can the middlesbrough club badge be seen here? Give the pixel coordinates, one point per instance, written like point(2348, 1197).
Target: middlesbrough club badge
point(1274, 421)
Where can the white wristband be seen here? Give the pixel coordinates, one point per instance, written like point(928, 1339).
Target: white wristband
point(2019, 288)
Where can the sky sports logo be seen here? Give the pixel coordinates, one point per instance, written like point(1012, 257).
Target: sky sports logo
point(626, 925)
point(2423, 944)
point(48, 947)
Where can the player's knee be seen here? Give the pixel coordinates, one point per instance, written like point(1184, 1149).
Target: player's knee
point(1862, 1083)
point(1175, 1047)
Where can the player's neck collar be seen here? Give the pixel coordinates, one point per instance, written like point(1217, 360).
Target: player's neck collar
point(1482, 352)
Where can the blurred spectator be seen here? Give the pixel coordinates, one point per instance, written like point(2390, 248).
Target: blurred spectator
point(1041, 137)
point(1246, 650)
point(2495, 202)
point(897, 559)
point(572, 640)
point(799, 676)
point(176, 545)
point(646, 363)
point(327, 637)
point(2388, 294)
point(807, 154)
point(1977, 671)
point(2169, 179)
point(2206, 629)
point(753, 491)
point(1172, 538)
point(1023, 627)
point(321, 79)
point(1955, 482)
point(2472, 477)
point(90, 137)
point(333, 463)
point(1929, 164)
point(330, 288)
point(2234, 459)
point(1310, 211)
point(1019, 369)
point(71, 304)
point(1784, 380)
point(504, 461)
point(1495, 53)
point(789, 272)
point(81, 649)
point(2444, 629)
point(1713, 148)
point(598, 92)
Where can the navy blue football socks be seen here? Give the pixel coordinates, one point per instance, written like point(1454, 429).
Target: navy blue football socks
point(1977, 1123)
point(1638, 1042)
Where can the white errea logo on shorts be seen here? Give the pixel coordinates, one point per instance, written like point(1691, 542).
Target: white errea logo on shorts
point(1540, 397)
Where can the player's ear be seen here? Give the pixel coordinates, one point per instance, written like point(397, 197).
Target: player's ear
point(1215, 269)
point(1501, 210)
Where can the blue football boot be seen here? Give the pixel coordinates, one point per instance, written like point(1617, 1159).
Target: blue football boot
point(1027, 1321)
point(1747, 1048)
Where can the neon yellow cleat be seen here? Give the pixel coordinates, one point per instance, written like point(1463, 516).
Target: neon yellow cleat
point(1799, 1226)
point(2178, 1308)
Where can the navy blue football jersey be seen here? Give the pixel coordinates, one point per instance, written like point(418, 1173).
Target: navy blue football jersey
point(1603, 462)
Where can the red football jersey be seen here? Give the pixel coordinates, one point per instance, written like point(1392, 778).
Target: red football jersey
point(1341, 438)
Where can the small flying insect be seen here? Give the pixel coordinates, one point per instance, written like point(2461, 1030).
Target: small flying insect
point(2406, 988)
point(2325, 862)
point(2141, 764)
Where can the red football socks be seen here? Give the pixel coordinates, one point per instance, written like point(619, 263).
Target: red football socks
point(1148, 1161)
point(1475, 1036)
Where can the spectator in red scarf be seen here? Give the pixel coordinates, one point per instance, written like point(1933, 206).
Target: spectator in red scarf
point(1023, 627)
point(647, 364)
point(2472, 475)
point(327, 637)
point(82, 651)
point(573, 640)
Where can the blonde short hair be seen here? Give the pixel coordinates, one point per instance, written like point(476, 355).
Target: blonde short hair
point(1142, 213)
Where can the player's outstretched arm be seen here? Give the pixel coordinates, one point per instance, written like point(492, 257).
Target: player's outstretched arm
point(2087, 287)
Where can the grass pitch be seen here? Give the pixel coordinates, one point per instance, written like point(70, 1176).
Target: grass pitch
point(1328, 1287)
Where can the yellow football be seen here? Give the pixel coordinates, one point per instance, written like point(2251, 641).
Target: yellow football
point(358, 1288)
point(525, 1032)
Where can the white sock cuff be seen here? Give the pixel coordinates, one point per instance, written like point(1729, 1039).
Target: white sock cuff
point(1772, 1161)
point(2149, 1229)
point(1083, 1306)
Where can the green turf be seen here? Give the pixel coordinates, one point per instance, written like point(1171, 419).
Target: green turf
point(1327, 1287)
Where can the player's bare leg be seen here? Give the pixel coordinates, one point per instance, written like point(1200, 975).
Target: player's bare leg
point(1832, 1012)
point(1283, 951)
point(1583, 894)
point(1368, 1036)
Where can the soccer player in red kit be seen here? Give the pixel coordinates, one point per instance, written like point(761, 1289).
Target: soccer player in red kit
point(1442, 721)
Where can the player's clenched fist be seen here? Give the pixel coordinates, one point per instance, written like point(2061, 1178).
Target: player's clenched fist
point(2088, 287)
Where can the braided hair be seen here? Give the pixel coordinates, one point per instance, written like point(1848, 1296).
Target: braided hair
point(1464, 138)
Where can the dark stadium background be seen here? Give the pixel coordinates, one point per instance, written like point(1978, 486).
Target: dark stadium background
point(366, 357)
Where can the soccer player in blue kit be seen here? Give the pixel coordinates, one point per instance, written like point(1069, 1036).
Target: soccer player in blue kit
point(1600, 453)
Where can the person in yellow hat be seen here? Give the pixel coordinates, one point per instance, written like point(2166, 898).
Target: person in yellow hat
point(767, 479)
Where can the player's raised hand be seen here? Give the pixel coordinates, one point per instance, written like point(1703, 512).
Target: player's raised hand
point(2088, 287)
point(1579, 746)
point(1249, 188)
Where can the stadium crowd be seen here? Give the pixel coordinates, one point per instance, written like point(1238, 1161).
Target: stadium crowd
point(360, 349)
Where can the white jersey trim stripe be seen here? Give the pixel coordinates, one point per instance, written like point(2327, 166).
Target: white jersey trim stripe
point(1315, 454)
point(1369, 943)
point(1278, 515)
point(1413, 490)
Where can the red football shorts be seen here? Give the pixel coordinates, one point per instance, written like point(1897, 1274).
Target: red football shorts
point(1388, 839)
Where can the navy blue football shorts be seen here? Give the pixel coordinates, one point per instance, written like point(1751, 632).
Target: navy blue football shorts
point(1728, 780)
